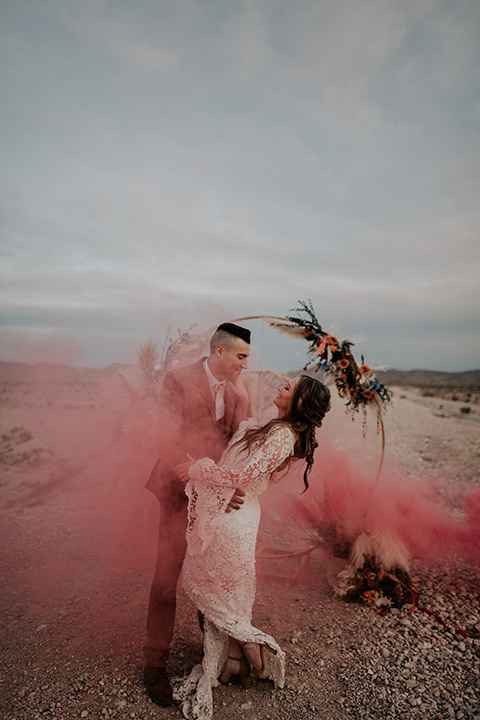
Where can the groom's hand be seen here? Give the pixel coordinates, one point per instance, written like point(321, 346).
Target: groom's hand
point(236, 500)
point(183, 468)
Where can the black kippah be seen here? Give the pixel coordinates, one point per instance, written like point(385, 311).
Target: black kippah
point(236, 330)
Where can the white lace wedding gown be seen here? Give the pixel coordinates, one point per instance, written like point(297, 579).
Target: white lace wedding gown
point(219, 567)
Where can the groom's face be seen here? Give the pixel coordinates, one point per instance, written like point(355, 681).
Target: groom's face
point(233, 359)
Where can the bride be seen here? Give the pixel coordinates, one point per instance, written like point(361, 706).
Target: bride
point(219, 567)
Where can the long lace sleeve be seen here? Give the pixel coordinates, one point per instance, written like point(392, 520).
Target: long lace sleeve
point(263, 461)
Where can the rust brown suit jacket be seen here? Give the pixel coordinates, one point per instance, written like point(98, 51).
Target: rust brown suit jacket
point(188, 411)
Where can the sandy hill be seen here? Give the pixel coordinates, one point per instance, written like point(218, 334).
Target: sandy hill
point(431, 378)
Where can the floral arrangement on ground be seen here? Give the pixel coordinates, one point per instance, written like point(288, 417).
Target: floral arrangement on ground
point(377, 587)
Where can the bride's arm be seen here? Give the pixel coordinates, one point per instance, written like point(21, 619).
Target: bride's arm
point(263, 461)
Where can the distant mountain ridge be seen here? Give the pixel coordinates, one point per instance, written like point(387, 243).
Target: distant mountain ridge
point(430, 378)
point(422, 378)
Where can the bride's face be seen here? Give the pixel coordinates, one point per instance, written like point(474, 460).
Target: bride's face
point(285, 392)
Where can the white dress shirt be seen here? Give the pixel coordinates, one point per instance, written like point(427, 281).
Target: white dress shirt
point(217, 388)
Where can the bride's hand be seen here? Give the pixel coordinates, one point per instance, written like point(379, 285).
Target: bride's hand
point(182, 469)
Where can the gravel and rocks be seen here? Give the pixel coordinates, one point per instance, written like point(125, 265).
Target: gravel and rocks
point(73, 629)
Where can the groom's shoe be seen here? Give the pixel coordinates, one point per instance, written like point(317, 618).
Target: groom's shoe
point(158, 685)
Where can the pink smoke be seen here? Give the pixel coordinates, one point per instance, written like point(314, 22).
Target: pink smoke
point(88, 521)
point(59, 348)
point(394, 506)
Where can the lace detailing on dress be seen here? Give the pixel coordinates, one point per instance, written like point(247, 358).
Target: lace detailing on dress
point(219, 567)
point(203, 509)
point(249, 472)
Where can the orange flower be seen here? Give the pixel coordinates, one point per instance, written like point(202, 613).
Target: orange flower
point(367, 394)
point(332, 340)
point(365, 369)
point(344, 363)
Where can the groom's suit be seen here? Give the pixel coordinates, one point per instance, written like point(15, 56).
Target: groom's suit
point(187, 405)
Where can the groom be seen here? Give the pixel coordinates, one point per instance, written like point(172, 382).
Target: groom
point(203, 404)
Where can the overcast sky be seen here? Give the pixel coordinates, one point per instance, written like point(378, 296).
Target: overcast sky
point(166, 163)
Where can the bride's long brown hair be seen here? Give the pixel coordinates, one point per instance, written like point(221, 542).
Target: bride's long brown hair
point(308, 406)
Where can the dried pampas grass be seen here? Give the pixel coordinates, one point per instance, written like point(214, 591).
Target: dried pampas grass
point(386, 548)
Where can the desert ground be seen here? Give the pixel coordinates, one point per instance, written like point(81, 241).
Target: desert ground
point(78, 549)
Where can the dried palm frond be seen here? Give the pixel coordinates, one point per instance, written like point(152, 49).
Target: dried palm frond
point(389, 550)
point(294, 330)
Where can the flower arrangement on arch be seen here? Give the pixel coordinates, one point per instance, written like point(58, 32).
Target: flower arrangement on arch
point(356, 383)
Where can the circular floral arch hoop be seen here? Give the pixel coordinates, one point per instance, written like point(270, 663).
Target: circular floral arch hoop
point(355, 383)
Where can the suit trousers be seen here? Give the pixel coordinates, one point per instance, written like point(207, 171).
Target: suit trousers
point(172, 546)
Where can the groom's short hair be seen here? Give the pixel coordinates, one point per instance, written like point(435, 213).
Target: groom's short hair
point(227, 334)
